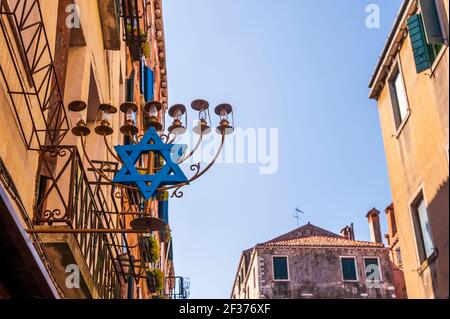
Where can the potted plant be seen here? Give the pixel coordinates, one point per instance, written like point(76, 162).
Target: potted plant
point(166, 234)
point(151, 249)
point(155, 281)
point(145, 46)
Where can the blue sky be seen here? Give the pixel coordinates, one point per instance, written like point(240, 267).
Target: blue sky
point(301, 66)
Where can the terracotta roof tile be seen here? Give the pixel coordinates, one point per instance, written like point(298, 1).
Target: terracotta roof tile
point(322, 241)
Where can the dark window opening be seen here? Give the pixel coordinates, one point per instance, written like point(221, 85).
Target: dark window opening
point(349, 269)
point(43, 187)
point(372, 269)
point(280, 268)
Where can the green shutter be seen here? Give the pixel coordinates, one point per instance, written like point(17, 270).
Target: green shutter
point(422, 50)
point(349, 269)
point(280, 268)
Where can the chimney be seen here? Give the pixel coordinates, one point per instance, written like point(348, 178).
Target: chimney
point(374, 225)
point(348, 232)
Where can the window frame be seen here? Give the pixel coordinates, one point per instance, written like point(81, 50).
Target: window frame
point(399, 122)
point(287, 266)
point(379, 267)
point(342, 268)
point(422, 257)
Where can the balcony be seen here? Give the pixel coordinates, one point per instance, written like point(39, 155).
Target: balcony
point(73, 207)
point(29, 75)
point(135, 31)
point(179, 287)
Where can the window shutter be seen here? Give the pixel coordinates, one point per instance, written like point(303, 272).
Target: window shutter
point(421, 49)
point(130, 88)
point(148, 84)
point(170, 257)
point(431, 21)
point(163, 207)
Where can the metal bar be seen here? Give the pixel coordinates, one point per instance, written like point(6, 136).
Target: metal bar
point(86, 231)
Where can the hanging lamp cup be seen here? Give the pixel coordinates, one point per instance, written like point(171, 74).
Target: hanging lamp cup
point(176, 112)
point(77, 106)
point(151, 224)
point(81, 128)
point(152, 110)
point(108, 108)
point(152, 121)
point(225, 127)
point(124, 107)
point(177, 128)
point(202, 128)
point(153, 107)
point(105, 129)
point(129, 128)
point(200, 105)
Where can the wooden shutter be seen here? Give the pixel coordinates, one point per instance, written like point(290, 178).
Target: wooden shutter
point(130, 88)
point(421, 49)
point(163, 207)
point(148, 84)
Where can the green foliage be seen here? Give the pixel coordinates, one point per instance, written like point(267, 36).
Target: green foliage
point(166, 234)
point(153, 250)
point(145, 46)
point(156, 280)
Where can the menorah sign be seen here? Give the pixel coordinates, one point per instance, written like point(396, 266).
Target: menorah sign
point(150, 162)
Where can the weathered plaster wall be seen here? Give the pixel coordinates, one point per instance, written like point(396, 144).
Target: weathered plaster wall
point(317, 272)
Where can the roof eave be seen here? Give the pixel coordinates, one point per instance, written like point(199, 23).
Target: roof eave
point(383, 62)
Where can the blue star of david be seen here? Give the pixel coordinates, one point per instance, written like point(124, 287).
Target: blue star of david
point(170, 173)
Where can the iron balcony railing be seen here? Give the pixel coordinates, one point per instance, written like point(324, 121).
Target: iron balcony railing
point(135, 21)
point(179, 287)
point(68, 197)
point(29, 74)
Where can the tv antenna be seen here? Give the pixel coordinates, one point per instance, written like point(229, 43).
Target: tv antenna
point(298, 211)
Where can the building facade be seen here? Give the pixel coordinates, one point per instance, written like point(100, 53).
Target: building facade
point(393, 243)
point(59, 215)
point(313, 263)
point(411, 85)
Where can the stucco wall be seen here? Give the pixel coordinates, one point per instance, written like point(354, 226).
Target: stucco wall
point(316, 273)
point(417, 159)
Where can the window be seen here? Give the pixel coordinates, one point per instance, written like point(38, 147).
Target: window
point(393, 222)
point(398, 255)
point(433, 21)
point(349, 270)
point(426, 33)
point(398, 96)
point(422, 228)
point(372, 269)
point(280, 268)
